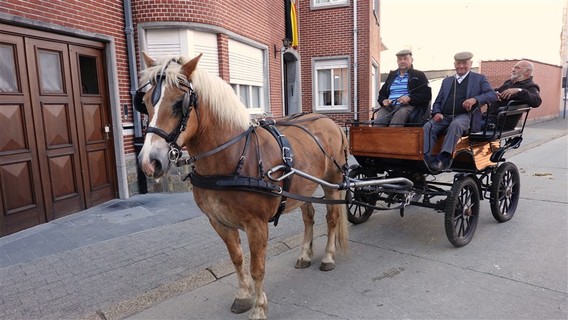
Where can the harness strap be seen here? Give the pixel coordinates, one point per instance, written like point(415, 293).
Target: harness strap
point(244, 183)
point(192, 159)
point(243, 156)
point(289, 123)
point(287, 158)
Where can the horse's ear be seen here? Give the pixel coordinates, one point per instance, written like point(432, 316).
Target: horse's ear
point(148, 60)
point(189, 67)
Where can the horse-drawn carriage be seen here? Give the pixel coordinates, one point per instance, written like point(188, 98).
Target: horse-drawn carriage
point(246, 174)
point(481, 172)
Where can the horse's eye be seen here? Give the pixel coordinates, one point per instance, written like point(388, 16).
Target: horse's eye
point(177, 106)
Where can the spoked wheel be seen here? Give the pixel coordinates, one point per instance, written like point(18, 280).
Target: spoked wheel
point(357, 213)
point(505, 192)
point(462, 212)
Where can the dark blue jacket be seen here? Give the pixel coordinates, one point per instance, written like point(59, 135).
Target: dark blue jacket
point(477, 87)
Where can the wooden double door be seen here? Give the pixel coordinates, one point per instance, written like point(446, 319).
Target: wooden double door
point(56, 145)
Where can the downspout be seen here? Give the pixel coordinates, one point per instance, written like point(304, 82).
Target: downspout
point(136, 118)
point(355, 65)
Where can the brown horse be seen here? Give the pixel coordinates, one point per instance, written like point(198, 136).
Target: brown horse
point(187, 107)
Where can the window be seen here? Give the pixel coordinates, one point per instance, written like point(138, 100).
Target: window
point(51, 79)
point(316, 4)
point(8, 77)
point(248, 75)
point(89, 76)
point(331, 84)
point(186, 42)
point(376, 11)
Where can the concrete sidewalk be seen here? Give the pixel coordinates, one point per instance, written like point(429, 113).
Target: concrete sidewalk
point(118, 258)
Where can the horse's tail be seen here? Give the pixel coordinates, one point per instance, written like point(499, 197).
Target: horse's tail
point(342, 235)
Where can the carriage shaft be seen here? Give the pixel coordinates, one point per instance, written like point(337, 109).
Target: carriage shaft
point(395, 183)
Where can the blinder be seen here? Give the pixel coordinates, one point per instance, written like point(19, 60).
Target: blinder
point(139, 104)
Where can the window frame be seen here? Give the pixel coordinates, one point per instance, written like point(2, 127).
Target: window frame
point(330, 4)
point(330, 63)
point(237, 84)
point(375, 82)
point(376, 11)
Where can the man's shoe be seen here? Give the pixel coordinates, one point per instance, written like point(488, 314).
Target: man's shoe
point(446, 163)
point(436, 165)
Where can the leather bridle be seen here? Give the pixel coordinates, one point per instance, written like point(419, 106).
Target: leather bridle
point(188, 103)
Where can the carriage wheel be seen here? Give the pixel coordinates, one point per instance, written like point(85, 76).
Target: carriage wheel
point(462, 212)
point(356, 213)
point(505, 192)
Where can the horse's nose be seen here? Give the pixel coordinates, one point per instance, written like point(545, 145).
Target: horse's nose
point(157, 164)
point(148, 164)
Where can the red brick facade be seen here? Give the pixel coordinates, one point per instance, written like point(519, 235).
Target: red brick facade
point(323, 32)
point(260, 21)
point(547, 76)
point(330, 32)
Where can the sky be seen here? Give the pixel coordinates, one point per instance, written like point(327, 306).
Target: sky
point(491, 29)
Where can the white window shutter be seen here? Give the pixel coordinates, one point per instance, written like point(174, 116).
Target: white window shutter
point(163, 42)
point(206, 43)
point(246, 64)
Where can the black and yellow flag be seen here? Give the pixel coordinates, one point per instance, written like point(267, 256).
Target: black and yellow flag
point(291, 15)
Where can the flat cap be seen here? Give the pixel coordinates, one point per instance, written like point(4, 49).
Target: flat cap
point(403, 52)
point(463, 56)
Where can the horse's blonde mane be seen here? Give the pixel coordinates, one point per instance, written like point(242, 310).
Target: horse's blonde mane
point(221, 99)
point(172, 72)
point(212, 91)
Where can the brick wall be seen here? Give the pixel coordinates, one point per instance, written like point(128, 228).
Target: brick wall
point(323, 32)
point(547, 76)
point(258, 20)
point(329, 32)
point(370, 33)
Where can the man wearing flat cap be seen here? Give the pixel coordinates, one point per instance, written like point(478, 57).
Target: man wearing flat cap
point(405, 90)
point(459, 98)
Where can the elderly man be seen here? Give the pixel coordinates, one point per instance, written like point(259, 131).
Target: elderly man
point(404, 90)
point(520, 87)
point(459, 96)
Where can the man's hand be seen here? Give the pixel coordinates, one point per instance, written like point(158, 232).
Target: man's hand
point(469, 103)
point(386, 102)
point(438, 117)
point(508, 94)
point(404, 100)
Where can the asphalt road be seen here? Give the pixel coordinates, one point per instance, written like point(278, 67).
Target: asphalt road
point(156, 256)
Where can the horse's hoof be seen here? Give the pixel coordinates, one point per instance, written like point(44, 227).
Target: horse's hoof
point(241, 305)
point(302, 264)
point(327, 266)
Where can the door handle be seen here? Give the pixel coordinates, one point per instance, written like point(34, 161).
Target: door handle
point(107, 131)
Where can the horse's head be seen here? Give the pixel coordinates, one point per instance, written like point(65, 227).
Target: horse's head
point(169, 103)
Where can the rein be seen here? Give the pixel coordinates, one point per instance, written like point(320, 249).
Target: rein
point(192, 159)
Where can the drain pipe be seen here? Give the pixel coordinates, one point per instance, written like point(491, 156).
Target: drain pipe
point(136, 118)
point(355, 65)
